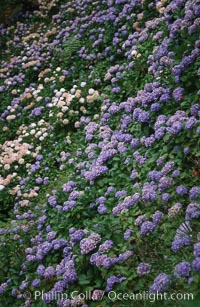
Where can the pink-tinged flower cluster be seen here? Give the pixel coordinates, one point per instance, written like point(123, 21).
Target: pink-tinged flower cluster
point(90, 243)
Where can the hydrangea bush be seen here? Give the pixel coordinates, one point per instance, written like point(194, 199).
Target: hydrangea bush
point(99, 151)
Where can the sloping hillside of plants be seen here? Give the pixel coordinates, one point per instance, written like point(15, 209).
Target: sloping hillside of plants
point(99, 153)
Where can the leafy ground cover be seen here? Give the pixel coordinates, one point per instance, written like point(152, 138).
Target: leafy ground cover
point(99, 153)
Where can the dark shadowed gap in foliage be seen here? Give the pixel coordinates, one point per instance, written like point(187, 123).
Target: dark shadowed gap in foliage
point(5, 209)
point(11, 10)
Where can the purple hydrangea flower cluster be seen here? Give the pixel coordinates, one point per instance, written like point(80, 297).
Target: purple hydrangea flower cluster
point(68, 187)
point(161, 283)
point(196, 264)
point(194, 192)
point(192, 211)
point(106, 246)
point(143, 268)
point(113, 280)
point(90, 243)
point(97, 295)
point(105, 261)
point(127, 203)
point(146, 227)
point(182, 269)
point(182, 237)
point(76, 236)
point(128, 234)
point(197, 250)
